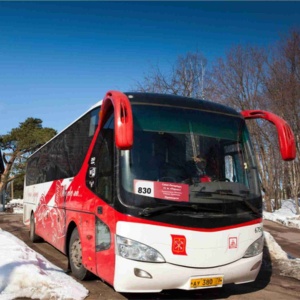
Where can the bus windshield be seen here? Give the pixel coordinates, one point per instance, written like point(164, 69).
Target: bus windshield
point(184, 156)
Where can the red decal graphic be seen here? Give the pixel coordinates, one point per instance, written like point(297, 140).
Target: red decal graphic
point(178, 244)
point(233, 243)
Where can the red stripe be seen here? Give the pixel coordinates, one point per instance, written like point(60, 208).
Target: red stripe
point(126, 218)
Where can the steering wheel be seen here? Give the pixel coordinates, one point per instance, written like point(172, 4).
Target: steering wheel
point(222, 179)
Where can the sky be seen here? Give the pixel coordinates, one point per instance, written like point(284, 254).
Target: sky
point(48, 281)
point(59, 58)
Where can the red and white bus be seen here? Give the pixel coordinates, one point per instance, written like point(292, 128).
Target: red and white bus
point(153, 192)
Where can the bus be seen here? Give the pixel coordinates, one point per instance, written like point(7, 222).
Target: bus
point(152, 192)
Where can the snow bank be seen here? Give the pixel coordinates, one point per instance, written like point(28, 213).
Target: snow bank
point(288, 267)
point(275, 250)
point(25, 273)
point(286, 215)
point(15, 206)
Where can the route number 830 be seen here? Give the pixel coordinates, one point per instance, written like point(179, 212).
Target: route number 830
point(144, 190)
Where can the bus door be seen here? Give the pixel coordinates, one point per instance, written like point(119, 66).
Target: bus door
point(100, 180)
point(116, 131)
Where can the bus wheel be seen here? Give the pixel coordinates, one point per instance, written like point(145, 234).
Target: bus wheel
point(33, 237)
point(75, 257)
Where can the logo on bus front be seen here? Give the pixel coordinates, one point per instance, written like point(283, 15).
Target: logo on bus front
point(178, 244)
point(233, 243)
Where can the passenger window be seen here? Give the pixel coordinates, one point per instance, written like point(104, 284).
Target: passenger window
point(100, 173)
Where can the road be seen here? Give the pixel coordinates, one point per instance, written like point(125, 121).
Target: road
point(269, 284)
point(287, 238)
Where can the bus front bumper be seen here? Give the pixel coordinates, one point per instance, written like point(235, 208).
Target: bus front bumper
point(134, 276)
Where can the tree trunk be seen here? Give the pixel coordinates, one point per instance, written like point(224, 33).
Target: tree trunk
point(3, 182)
point(4, 176)
point(268, 204)
point(297, 205)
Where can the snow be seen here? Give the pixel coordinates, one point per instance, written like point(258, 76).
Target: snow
point(25, 273)
point(274, 249)
point(286, 215)
point(16, 205)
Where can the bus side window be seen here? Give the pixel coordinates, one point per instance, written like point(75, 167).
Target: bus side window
point(230, 168)
point(235, 171)
point(100, 174)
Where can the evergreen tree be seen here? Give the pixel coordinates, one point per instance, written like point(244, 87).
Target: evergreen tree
point(17, 145)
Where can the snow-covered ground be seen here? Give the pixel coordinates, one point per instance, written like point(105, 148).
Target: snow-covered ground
point(286, 215)
point(25, 273)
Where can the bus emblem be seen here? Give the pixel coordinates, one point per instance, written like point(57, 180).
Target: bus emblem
point(178, 244)
point(233, 243)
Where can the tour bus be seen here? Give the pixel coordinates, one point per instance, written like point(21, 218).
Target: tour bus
point(153, 192)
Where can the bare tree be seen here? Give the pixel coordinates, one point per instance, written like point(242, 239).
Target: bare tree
point(186, 78)
point(238, 81)
point(283, 91)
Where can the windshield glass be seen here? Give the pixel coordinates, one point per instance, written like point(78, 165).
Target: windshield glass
point(188, 157)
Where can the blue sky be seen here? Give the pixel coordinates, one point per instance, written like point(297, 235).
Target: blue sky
point(59, 58)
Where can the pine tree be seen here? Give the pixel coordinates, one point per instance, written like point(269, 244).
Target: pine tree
point(17, 145)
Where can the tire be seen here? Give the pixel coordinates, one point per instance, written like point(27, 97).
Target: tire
point(75, 257)
point(32, 235)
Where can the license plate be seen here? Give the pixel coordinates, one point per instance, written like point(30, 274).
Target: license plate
point(204, 282)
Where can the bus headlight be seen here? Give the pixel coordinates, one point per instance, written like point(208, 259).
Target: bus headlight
point(134, 250)
point(255, 248)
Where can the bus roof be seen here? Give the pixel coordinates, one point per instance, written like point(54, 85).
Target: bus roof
point(180, 101)
point(165, 100)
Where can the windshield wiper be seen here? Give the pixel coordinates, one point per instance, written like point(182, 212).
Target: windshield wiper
point(224, 192)
point(148, 211)
point(242, 199)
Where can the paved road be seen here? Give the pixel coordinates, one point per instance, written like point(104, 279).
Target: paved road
point(288, 238)
point(269, 284)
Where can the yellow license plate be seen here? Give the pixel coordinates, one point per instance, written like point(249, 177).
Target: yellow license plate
point(204, 282)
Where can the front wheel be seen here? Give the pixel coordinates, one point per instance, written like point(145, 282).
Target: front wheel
point(32, 235)
point(75, 257)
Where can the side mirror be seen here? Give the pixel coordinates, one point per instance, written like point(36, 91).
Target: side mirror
point(118, 103)
point(286, 138)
